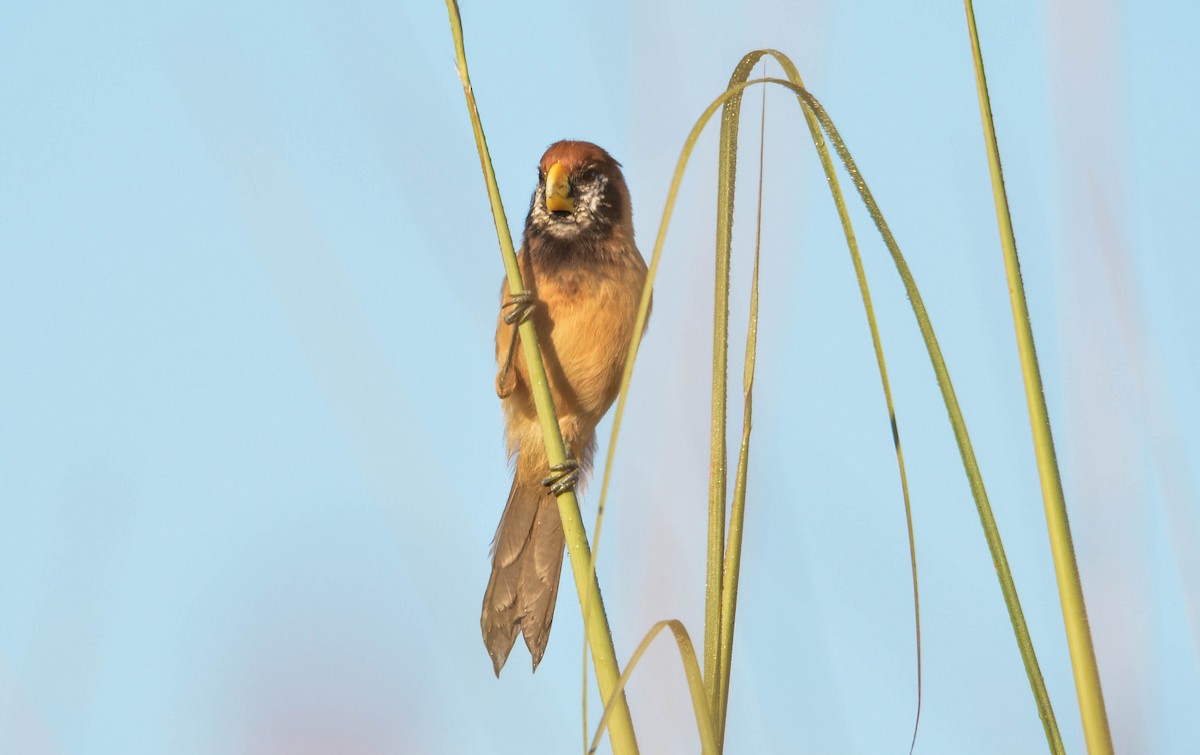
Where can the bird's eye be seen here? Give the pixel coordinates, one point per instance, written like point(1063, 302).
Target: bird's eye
point(541, 176)
point(588, 175)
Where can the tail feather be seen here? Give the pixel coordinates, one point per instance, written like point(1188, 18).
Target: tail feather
point(540, 577)
point(515, 525)
point(526, 564)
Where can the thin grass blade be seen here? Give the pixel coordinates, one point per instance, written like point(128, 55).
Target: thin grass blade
point(962, 437)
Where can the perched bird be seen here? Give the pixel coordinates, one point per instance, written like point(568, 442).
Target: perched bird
point(583, 277)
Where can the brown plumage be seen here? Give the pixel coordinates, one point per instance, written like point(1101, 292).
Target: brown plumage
point(579, 260)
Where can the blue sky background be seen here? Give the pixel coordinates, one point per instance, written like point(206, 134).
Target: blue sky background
point(251, 461)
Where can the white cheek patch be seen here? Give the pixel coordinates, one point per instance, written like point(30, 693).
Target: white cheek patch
point(589, 205)
point(591, 198)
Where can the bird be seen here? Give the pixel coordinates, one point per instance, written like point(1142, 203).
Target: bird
point(583, 278)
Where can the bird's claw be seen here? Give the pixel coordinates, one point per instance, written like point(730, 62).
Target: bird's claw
point(520, 306)
point(565, 476)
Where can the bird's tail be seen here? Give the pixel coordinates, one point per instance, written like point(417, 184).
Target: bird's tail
point(527, 557)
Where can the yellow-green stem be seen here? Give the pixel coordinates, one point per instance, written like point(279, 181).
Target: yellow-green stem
point(691, 668)
point(718, 472)
point(737, 513)
point(729, 128)
point(1070, 591)
point(620, 724)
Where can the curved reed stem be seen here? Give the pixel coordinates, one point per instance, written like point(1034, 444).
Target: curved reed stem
point(727, 173)
point(691, 668)
point(958, 425)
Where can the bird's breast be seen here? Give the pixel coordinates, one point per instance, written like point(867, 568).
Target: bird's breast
point(585, 319)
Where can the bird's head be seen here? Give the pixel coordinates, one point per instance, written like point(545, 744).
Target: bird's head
point(580, 195)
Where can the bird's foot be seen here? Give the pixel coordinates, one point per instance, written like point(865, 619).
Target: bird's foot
point(520, 306)
point(565, 476)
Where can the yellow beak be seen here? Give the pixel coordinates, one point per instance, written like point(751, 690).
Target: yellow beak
point(558, 190)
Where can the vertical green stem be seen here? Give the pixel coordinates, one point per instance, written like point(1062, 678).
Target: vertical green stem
point(718, 460)
point(737, 513)
point(1070, 591)
point(620, 725)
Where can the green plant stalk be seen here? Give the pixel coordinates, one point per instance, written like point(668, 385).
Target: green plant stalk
point(691, 668)
point(1070, 591)
point(621, 732)
point(729, 129)
point(718, 472)
point(737, 513)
